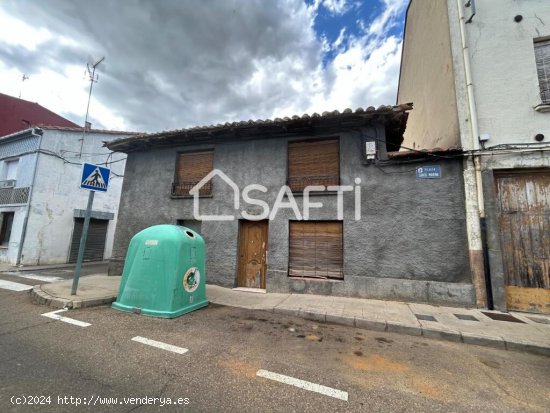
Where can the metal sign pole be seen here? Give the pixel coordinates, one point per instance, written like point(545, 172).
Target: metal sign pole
point(82, 246)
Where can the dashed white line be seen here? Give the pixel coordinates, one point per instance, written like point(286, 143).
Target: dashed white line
point(160, 344)
point(10, 285)
point(55, 315)
point(302, 384)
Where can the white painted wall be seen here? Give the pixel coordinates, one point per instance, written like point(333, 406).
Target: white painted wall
point(504, 72)
point(9, 254)
point(57, 194)
point(23, 177)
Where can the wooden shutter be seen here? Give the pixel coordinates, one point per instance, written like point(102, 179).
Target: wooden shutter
point(313, 163)
point(315, 249)
point(191, 168)
point(542, 56)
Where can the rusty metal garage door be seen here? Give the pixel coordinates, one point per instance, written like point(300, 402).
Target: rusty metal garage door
point(95, 244)
point(524, 219)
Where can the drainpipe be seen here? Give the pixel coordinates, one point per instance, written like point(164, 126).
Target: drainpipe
point(478, 254)
point(35, 132)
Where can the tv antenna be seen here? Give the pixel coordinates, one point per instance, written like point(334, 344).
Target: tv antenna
point(93, 79)
point(25, 77)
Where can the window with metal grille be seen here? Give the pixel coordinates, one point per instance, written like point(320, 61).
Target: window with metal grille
point(313, 163)
point(542, 56)
point(315, 249)
point(5, 231)
point(191, 167)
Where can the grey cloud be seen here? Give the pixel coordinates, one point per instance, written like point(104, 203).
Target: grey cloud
point(173, 63)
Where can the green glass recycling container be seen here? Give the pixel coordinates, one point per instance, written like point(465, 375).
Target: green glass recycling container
point(163, 273)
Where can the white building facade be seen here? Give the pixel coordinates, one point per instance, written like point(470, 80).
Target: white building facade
point(41, 205)
point(478, 73)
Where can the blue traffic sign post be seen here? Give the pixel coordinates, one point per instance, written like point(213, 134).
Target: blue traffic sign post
point(94, 178)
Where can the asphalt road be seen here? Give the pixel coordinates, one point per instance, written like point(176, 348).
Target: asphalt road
point(380, 372)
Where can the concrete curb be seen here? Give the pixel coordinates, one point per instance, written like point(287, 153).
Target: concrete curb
point(40, 297)
point(427, 332)
point(23, 268)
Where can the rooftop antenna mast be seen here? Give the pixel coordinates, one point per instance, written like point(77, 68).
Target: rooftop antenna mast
point(25, 77)
point(93, 79)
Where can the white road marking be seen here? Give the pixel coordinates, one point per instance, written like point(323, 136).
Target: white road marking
point(160, 344)
point(56, 316)
point(31, 276)
point(10, 285)
point(302, 384)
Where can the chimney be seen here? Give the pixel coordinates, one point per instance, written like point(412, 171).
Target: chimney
point(88, 126)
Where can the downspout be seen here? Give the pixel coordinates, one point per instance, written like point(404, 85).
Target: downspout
point(35, 132)
point(475, 146)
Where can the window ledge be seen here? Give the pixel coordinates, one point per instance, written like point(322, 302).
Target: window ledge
point(543, 107)
point(316, 193)
point(316, 279)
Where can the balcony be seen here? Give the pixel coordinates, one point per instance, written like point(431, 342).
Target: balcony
point(298, 184)
point(12, 195)
point(181, 189)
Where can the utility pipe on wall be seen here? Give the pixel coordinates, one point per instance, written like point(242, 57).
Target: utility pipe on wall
point(472, 109)
point(480, 264)
point(27, 212)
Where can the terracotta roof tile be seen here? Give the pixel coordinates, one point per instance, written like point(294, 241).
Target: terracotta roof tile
point(395, 114)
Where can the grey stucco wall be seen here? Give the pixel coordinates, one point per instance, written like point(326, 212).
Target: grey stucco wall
point(410, 243)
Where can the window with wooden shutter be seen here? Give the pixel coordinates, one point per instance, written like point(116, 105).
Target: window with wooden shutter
point(315, 249)
point(313, 163)
point(190, 169)
point(542, 56)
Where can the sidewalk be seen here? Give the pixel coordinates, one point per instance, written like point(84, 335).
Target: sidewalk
point(531, 332)
point(93, 290)
point(528, 332)
point(8, 267)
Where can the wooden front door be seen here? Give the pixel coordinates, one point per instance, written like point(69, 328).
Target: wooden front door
point(252, 254)
point(524, 219)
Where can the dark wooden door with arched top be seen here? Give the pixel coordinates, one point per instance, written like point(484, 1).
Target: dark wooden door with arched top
point(252, 254)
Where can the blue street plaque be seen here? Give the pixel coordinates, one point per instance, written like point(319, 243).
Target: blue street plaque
point(95, 177)
point(428, 172)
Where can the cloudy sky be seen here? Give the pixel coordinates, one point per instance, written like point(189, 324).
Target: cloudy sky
point(179, 63)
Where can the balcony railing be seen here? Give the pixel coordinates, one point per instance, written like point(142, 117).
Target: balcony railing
point(183, 188)
point(10, 196)
point(298, 184)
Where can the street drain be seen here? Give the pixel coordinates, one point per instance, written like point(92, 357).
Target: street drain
point(466, 317)
point(425, 317)
point(503, 317)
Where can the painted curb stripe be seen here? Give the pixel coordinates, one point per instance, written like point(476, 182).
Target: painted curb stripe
point(45, 278)
point(54, 315)
point(302, 384)
point(161, 345)
point(10, 285)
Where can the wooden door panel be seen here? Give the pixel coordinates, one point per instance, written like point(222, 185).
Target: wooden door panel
point(252, 254)
point(524, 219)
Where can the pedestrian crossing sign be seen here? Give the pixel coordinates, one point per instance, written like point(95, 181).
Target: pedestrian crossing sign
point(94, 177)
